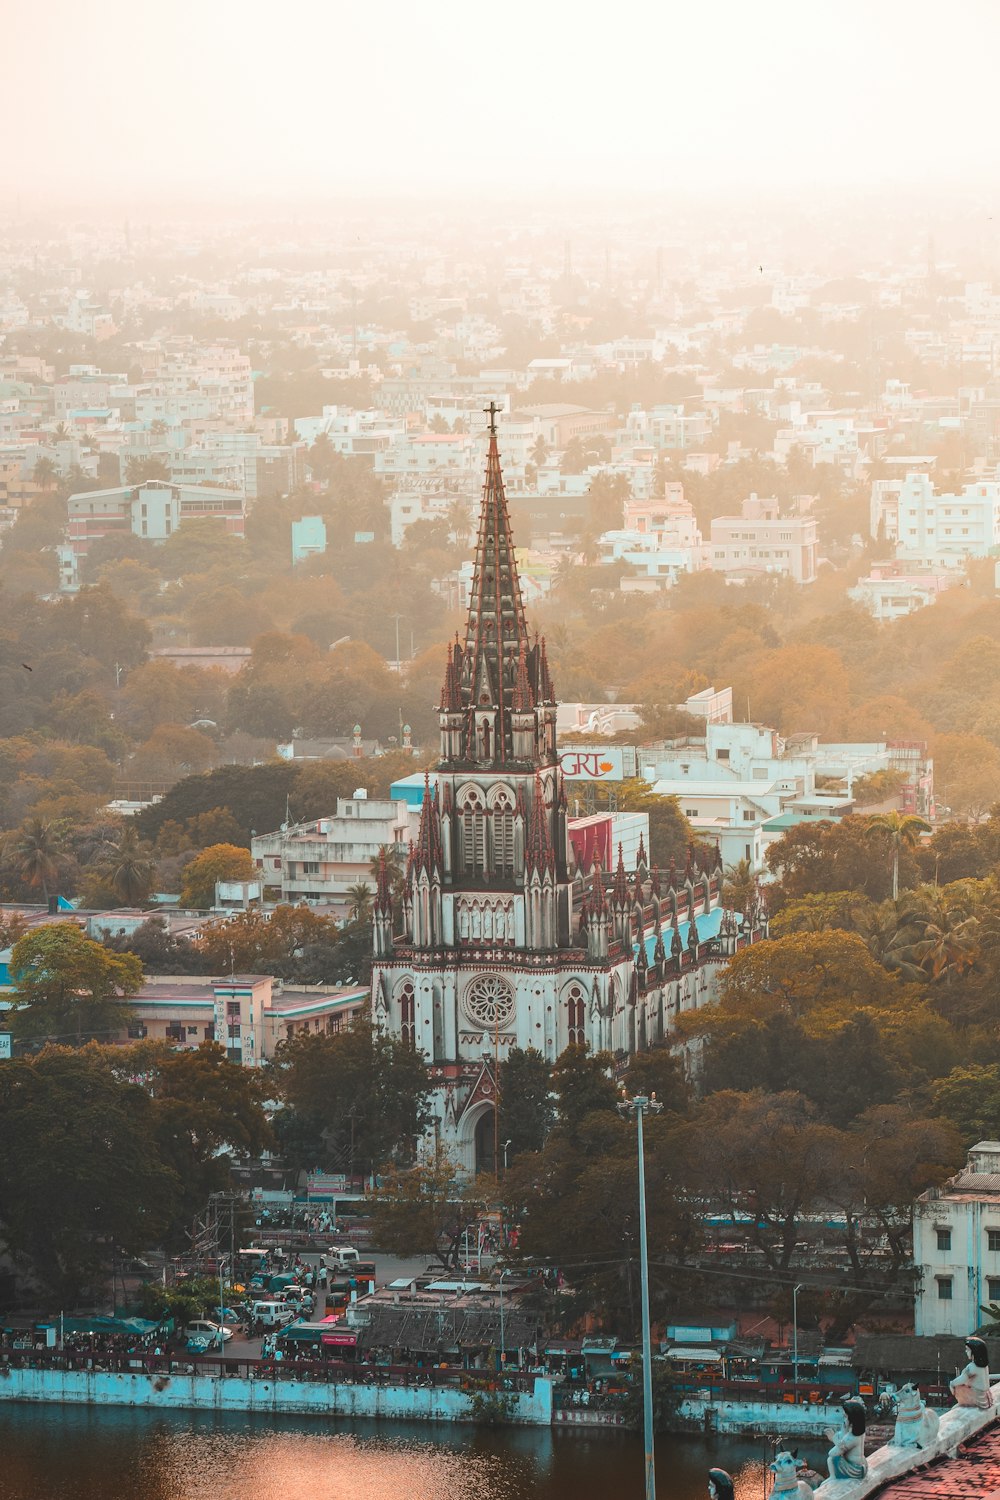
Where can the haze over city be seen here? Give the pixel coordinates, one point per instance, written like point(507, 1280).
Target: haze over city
point(224, 100)
point(499, 750)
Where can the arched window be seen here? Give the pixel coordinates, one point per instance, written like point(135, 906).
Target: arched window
point(503, 833)
point(473, 824)
point(407, 1015)
point(577, 1012)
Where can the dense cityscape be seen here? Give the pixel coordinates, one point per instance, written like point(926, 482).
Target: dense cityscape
point(500, 827)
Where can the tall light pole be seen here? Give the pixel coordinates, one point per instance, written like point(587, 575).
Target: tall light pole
point(503, 1331)
point(795, 1336)
point(640, 1106)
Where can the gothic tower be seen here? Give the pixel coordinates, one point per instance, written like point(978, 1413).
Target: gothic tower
point(499, 942)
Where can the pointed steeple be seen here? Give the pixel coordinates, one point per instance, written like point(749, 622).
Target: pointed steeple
point(522, 700)
point(599, 904)
point(383, 887)
point(620, 888)
point(539, 854)
point(428, 851)
point(496, 631)
point(545, 689)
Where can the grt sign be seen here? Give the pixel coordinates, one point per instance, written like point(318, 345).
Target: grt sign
point(586, 764)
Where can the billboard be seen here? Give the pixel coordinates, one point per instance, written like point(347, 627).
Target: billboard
point(4, 1045)
point(594, 763)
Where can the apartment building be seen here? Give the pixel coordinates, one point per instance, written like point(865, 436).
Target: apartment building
point(942, 530)
point(760, 540)
point(956, 1246)
point(320, 860)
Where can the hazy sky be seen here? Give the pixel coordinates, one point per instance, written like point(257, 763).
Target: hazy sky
point(131, 99)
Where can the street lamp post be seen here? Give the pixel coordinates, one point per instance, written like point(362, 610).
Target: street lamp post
point(503, 1330)
point(795, 1337)
point(640, 1106)
point(506, 1147)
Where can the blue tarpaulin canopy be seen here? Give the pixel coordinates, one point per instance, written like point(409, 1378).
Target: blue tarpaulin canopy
point(98, 1324)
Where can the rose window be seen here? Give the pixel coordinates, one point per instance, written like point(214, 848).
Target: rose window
point(489, 1001)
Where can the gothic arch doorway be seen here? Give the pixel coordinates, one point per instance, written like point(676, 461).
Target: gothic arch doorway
point(485, 1140)
point(476, 1135)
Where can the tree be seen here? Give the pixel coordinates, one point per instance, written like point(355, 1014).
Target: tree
point(899, 831)
point(764, 1158)
point(424, 1210)
point(526, 1108)
point(66, 986)
point(142, 470)
point(205, 1110)
point(582, 1086)
point(364, 1094)
point(217, 862)
point(359, 901)
point(801, 972)
point(130, 868)
point(80, 1171)
point(37, 854)
point(739, 888)
point(969, 1096)
point(823, 857)
point(45, 473)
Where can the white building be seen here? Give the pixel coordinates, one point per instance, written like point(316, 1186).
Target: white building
point(892, 590)
point(319, 860)
point(956, 1246)
point(943, 530)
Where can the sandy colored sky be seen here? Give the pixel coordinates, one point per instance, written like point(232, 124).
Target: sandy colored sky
point(134, 98)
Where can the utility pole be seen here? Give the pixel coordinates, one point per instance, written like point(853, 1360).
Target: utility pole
point(640, 1106)
point(795, 1337)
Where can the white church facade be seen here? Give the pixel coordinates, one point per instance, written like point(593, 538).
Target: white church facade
point(500, 941)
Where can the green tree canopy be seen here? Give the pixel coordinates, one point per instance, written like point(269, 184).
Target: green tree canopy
point(364, 1094)
point(69, 988)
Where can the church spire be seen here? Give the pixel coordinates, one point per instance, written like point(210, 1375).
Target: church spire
point(496, 630)
point(498, 673)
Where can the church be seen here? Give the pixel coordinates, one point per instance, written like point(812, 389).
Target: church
point(500, 940)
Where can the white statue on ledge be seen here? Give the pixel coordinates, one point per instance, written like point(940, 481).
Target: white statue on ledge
point(787, 1484)
point(971, 1386)
point(916, 1423)
point(846, 1458)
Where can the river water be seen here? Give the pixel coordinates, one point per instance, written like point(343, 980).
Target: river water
point(75, 1453)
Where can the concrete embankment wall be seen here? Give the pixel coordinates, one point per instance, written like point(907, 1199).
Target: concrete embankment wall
point(751, 1417)
point(272, 1397)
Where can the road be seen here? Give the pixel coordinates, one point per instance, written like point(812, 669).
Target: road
point(387, 1268)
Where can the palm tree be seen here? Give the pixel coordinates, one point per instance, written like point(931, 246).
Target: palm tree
point(457, 518)
point(899, 831)
point(37, 852)
point(359, 901)
point(130, 868)
point(945, 941)
point(45, 473)
point(739, 887)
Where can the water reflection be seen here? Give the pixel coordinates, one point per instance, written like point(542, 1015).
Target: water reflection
point(66, 1453)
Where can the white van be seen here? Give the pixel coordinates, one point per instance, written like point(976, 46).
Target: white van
point(341, 1257)
point(272, 1314)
